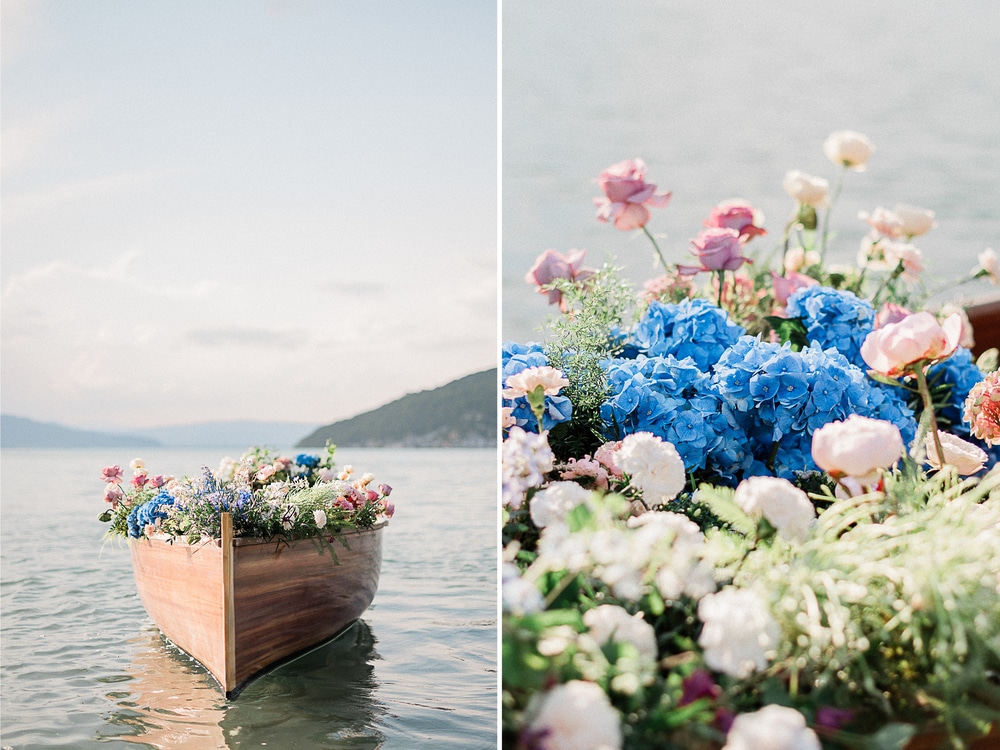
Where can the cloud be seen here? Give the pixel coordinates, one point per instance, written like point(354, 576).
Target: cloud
point(261, 338)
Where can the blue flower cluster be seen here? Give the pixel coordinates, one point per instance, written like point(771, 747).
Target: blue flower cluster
point(307, 460)
point(833, 318)
point(959, 373)
point(149, 512)
point(518, 357)
point(694, 328)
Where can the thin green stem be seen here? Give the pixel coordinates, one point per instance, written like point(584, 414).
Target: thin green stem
point(656, 247)
point(925, 395)
point(896, 273)
point(721, 280)
point(829, 210)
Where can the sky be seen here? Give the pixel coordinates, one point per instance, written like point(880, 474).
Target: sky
point(281, 210)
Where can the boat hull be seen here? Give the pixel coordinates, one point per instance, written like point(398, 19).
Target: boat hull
point(241, 606)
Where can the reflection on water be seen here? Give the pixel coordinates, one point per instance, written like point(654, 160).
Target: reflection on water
point(172, 701)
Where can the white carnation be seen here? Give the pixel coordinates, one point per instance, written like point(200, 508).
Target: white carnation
point(551, 505)
point(785, 506)
point(773, 727)
point(740, 633)
point(609, 622)
point(577, 715)
point(654, 466)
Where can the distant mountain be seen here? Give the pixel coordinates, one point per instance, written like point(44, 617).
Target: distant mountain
point(18, 432)
point(462, 413)
point(230, 434)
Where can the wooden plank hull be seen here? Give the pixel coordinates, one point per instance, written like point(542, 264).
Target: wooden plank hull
point(241, 606)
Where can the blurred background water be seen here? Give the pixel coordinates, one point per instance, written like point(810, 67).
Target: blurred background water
point(721, 100)
point(82, 663)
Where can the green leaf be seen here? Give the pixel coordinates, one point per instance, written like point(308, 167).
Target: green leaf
point(893, 737)
point(721, 501)
point(790, 330)
point(105, 516)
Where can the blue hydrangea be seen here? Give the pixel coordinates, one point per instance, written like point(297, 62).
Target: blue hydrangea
point(693, 328)
point(517, 357)
point(148, 513)
point(959, 373)
point(833, 318)
point(304, 459)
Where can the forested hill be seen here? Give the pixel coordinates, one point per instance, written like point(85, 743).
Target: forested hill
point(462, 413)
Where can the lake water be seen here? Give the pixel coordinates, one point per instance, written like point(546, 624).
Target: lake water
point(722, 100)
point(82, 664)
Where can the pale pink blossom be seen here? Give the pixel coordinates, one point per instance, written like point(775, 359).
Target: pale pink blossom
point(848, 148)
point(963, 455)
point(718, 249)
point(113, 494)
point(552, 265)
point(982, 409)
point(139, 481)
point(785, 286)
point(739, 215)
point(905, 255)
point(326, 475)
point(111, 474)
point(158, 480)
point(605, 455)
point(883, 221)
point(283, 463)
point(989, 262)
point(798, 258)
point(890, 313)
point(672, 285)
point(859, 447)
point(806, 189)
point(586, 468)
point(522, 383)
point(264, 473)
point(507, 418)
point(627, 195)
point(968, 339)
point(915, 221)
point(917, 338)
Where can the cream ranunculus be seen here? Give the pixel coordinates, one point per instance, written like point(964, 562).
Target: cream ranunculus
point(963, 455)
point(915, 221)
point(806, 189)
point(654, 467)
point(859, 447)
point(849, 149)
point(739, 633)
point(773, 727)
point(577, 715)
point(785, 506)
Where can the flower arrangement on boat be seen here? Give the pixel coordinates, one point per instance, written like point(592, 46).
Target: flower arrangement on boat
point(762, 512)
point(268, 496)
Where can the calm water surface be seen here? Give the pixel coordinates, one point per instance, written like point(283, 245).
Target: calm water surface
point(82, 663)
point(722, 100)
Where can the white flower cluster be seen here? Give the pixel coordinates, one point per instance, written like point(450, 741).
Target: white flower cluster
point(527, 457)
point(740, 634)
point(654, 467)
point(577, 715)
point(550, 506)
point(785, 506)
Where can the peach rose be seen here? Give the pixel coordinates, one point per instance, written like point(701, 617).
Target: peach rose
point(859, 447)
point(963, 455)
point(917, 338)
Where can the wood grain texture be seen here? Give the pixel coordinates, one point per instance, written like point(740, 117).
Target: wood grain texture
point(286, 598)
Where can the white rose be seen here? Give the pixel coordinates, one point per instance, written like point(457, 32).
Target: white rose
point(773, 727)
point(785, 506)
point(740, 633)
point(963, 455)
point(576, 716)
point(654, 466)
point(806, 189)
point(915, 221)
point(609, 622)
point(849, 149)
point(552, 505)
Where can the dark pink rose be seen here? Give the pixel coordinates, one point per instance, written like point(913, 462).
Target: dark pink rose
point(698, 685)
point(738, 215)
point(718, 249)
point(627, 195)
point(139, 481)
point(111, 474)
point(552, 265)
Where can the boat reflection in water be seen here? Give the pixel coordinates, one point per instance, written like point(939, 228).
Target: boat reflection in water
point(173, 701)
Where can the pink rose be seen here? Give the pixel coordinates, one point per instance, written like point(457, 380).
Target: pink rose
point(785, 286)
point(385, 490)
point(859, 447)
point(626, 195)
point(963, 455)
point(283, 463)
point(111, 474)
point(390, 510)
point(113, 494)
point(718, 249)
point(139, 481)
point(158, 481)
point(917, 338)
point(890, 313)
point(550, 266)
point(738, 215)
point(264, 473)
point(900, 253)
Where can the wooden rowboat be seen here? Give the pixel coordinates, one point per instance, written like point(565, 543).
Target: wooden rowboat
point(240, 606)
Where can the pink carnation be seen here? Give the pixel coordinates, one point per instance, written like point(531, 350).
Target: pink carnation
point(982, 409)
point(522, 383)
point(627, 195)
